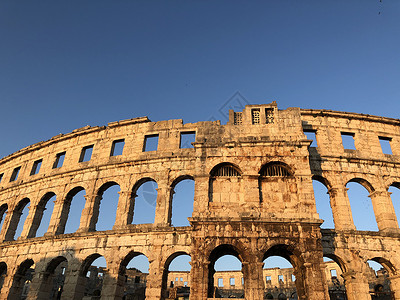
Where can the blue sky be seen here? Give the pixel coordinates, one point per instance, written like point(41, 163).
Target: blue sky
point(68, 64)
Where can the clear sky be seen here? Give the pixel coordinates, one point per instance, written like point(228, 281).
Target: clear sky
point(68, 64)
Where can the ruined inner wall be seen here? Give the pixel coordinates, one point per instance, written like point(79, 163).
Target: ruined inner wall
point(253, 198)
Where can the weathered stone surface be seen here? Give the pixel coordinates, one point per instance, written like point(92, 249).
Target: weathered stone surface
point(253, 198)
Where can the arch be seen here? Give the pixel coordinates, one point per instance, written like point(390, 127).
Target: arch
point(183, 274)
point(226, 169)
point(364, 183)
point(87, 262)
point(362, 209)
point(22, 279)
point(3, 273)
point(322, 180)
point(276, 169)
point(3, 214)
point(72, 208)
point(17, 223)
point(181, 201)
point(217, 253)
point(378, 272)
point(52, 281)
point(105, 206)
point(145, 195)
point(389, 267)
point(41, 219)
point(339, 261)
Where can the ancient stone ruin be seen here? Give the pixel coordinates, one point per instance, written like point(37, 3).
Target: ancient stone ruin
point(253, 199)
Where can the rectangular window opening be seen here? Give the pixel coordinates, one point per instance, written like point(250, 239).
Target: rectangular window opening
point(242, 281)
point(220, 282)
point(59, 160)
point(269, 115)
point(117, 147)
point(268, 279)
point(185, 283)
point(385, 145)
point(187, 138)
point(232, 281)
point(311, 135)
point(1, 176)
point(14, 175)
point(150, 143)
point(36, 167)
point(255, 116)
point(280, 278)
point(348, 140)
point(86, 153)
point(293, 278)
point(237, 118)
point(333, 273)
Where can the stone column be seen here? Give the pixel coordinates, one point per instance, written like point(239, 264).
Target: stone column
point(32, 221)
point(74, 285)
point(341, 209)
point(395, 286)
point(6, 290)
point(356, 284)
point(59, 217)
point(113, 285)
point(126, 203)
point(198, 279)
point(163, 205)
point(154, 280)
point(90, 213)
point(42, 283)
point(253, 280)
point(384, 211)
point(315, 284)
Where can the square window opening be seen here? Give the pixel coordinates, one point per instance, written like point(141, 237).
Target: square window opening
point(86, 153)
point(187, 138)
point(14, 175)
point(117, 147)
point(255, 116)
point(59, 160)
point(36, 167)
point(385, 145)
point(348, 140)
point(220, 282)
point(311, 135)
point(150, 143)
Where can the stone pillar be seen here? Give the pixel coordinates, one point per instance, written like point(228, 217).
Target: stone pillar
point(356, 284)
point(59, 217)
point(163, 206)
point(126, 203)
point(42, 283)
point(384, 211)
point(12, 225)
point(113, 285)
point(74, 285)
point(198, 279)
point(6, 226)
point(395, 286)
point(154, 280)
point(90, 213)
point(253, 280)
point(341, 209)
point(315, 284)
point(32, 221)
point(201, 190)
point(6, 289)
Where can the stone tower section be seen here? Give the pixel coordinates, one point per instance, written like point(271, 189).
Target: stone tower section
point(253, 199)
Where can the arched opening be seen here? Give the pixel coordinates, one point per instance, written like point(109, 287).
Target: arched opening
point(394, 190)
point(72, 210)
point(361, 205)
point(133, 274)
point(333, 274)
point(22, 280)
point(378, 278)
point(279, 277)
point(322, 202)
point(282, 273)
point(18, 218)
point(107, 198)
point(225, 276)
point(3, 214)
point(3, 273)
point(176, 277)
point(225, 184)
point(42, 217)
point(145, 194)
point(52, 281)
point(277, 185)
point(93, 269)
point(182, 194)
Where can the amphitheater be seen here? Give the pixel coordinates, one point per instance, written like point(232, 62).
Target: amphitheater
point(253, 199)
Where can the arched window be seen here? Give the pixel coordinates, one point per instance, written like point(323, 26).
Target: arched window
point(225, 170)
point(225, 184)
point(275, 169)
